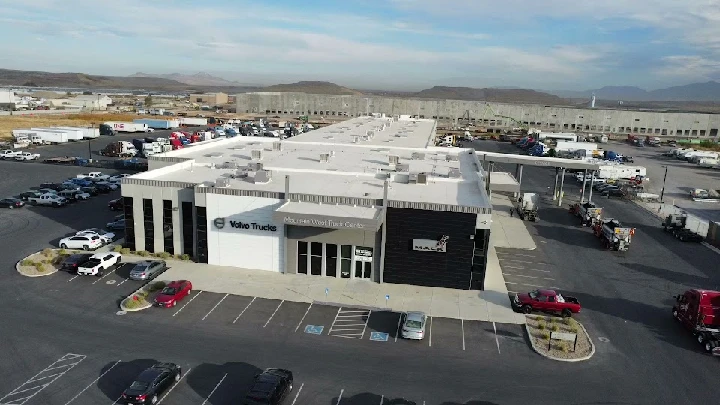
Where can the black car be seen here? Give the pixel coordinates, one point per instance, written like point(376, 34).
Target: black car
point(11, 203)
point(28, 194)
point(612, 192)
point(116, 204)
point(52, 186)
point(152, 383)
point(90, 190)
point(118, 225)
point(72, 262)
point(103, 188)
point(270, 387)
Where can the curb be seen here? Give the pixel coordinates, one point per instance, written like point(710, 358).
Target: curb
point(17, 267)
point(547, 356)
point(123, 308)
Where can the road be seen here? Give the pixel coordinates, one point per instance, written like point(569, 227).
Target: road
point(70, 324)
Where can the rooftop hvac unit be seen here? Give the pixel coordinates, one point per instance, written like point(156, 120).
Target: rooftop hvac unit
point(241, 173)
point(222, 182)
point(355, 139)
point(277, 146)
point(332, 153)
point(369, 133)
point(403, 178)
point(422, 178)
point(393, 159)
point(255, 166)
point(229, 165)
point(418, 156)
point(451, 158)
point(454, 173)
point(257, 154)
point(324, 157)
point(263, 176)
point(402, 167)
point(412, 178)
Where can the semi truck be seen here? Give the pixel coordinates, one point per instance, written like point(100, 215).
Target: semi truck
point(565, 146)
point(111, 128)
point(588, 212)
point(158, 124)
point(613, 234)
point(698, 312)
point(527, 206)
point(677, 225)
point(193, 122)
point(119, 149)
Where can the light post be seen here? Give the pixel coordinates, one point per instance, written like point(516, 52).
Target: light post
point(92, 125)
point(662, 192)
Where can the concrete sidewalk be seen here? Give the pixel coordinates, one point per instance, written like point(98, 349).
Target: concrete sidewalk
point(508, 231)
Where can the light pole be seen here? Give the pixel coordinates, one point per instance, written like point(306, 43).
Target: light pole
point(92, 125)
point(662, 192)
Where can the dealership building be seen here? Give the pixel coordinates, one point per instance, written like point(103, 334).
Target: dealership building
point(368, 198)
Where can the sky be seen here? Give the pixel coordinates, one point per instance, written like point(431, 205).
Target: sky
point(374, 44)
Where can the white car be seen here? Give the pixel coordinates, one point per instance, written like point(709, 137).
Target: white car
point(112, 185)
point(27, 156)
point(98, 263)
point(106, 236)
point(84, 242)
point(116, 178)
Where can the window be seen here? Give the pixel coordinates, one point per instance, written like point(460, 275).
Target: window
point(202, 243)
point(694, 132)
point(188, 230)
point(331, 260)
point(316, 255)
point(345, 260)
point(168, 227)
point(302, 258)
point(637, 119)
point(129, 223)
point(149, 225)
point(702, 132)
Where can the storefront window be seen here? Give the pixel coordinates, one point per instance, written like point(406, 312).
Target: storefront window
point(316, 255)
point(302, 258)
point(331, 260)
point(345, 260)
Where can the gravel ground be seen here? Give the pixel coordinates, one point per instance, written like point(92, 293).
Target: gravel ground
point(558, 349)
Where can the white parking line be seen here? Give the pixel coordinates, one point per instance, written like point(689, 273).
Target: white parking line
point(366, 322)
point(76, 276)
point(273, 314)
point(122, 282)
point(462, 326)
point(340, 396)
point(213, 390)
point(520, 275)
point(213, 308)
point(243, 311)
point(188, 303)
point(397, 332)
point(534, 285)
point(25, 387)
point(176, 384)
point(300, 323)
point(92, 383)
point(516, 261)
point(109, 273)
point(298, 394)
point(382, 399)
point(497, 342)
point(333, 322)
point(430, 334)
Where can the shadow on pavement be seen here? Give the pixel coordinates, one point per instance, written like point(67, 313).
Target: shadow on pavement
point(367, 398)
point(384, 321)
point(669, 275)
point(239, 377)
point(580, 237)
point(471, 403)
point(120, 377)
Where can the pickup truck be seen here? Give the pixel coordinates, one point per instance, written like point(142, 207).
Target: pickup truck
point(9, 154)
point(52, 200)
point(93, 175)
point(22, 156)
point(546, 301)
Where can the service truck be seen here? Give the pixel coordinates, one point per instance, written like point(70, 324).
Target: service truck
point(157, 123)
point(588, 212)
point(527, 205)
point(613, 234)
point(699, 312)
point(111, 128)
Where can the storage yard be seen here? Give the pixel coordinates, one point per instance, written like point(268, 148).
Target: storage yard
point(8, 123)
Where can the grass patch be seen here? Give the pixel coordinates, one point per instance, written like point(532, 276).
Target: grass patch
point(541, 325)
point(143, 253)
point(554, 328)
point(117, 248)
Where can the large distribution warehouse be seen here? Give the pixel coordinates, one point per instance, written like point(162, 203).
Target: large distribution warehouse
point(367, 198)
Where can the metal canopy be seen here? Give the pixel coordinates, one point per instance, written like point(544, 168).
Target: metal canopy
point(536, 161)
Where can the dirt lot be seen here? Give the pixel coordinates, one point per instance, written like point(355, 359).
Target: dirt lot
point(10, 122)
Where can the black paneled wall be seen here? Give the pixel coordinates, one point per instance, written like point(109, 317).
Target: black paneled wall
point(451, 269)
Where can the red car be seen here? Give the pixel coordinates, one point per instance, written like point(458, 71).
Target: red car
point(172, 293)
point(546, 301)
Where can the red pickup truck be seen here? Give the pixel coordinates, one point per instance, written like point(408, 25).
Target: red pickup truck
point(546, 301)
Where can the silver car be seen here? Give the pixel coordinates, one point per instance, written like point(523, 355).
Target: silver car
point(414, 326)
point(147, 269)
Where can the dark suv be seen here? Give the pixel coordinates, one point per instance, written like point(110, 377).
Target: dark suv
point(270, 387)
point(116, 204)
point(71, 263)
point(152, 383)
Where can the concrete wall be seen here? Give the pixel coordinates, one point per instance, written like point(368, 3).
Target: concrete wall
point(547, 118)
point(248, 248)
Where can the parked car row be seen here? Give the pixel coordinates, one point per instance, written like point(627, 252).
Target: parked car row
point(82, 187)
point(18, 155)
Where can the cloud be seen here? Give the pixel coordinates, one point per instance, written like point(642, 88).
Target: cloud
point(689, 67)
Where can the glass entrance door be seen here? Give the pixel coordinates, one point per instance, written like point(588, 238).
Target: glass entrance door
point(363, 269)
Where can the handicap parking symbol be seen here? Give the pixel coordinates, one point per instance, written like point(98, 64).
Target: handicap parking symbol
point(314, 329)
point(379, 336)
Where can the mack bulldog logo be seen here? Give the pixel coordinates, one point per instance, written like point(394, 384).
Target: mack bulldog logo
point(429, 245)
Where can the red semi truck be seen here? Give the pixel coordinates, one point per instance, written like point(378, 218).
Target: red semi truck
point(699, 312)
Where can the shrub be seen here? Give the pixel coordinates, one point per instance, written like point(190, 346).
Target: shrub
point(544, 336)
point(117, 248)
point(40, 267)
point(27, 262)
point(156, 286)
point(47, 252)
point(541, 325)
point(184, 257)
point(552, 320)
point(63, 252)
point(125, 251)
point(143, 253)
point(554, 328)
point(567, 321)
point(573, 328)
point(164, 255)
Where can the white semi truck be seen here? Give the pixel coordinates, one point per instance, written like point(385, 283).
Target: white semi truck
point(527, 206)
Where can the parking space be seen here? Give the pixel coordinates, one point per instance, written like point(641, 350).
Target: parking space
point(445, 334)
point(317, 320)
point(386, 322)
point(526, 270)
point(480, 337)
point(259, 312)
point(350, 323)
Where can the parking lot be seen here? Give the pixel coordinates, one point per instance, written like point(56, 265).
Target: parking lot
point(527, 270)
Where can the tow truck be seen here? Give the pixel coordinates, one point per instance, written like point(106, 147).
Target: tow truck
point(588, 213)
point(613, 234)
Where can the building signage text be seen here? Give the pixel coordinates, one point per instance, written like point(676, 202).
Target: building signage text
point(429, 245)
point(363, 254)
point(255, 226)
point(323, 223)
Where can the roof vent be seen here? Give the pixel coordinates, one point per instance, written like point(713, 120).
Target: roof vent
point(277, 146)
point(257, 154)
point(402, 167)
point(255, 166)
point(394, 159)
point(451, 158)
point(229, 165)
point(422, 178)
point(369, 133)
point(324, 157)
point(418, 156)
point(241, 173)
point(355, 139)
point(222, 182)
point(263, 176)
point(454, 173)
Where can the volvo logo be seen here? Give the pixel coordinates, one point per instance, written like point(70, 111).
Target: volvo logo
point(219, 223)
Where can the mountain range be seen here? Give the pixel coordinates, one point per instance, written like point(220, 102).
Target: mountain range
point(197, 79)
point(707, 92)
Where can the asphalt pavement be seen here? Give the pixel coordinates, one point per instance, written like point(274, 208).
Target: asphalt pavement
point(65, 343)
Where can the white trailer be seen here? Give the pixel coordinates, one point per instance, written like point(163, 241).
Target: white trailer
point(695, 157)
point(708, 162)
point(616, 172)
point(559, 136)
point(52, 136)
point(87, 132)
point(193, 122)
point(74, 134)
point(127, 126)
point(589, 147)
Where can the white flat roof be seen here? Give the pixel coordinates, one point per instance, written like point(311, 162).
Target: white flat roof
point(352, 169)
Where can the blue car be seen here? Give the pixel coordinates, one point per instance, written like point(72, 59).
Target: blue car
point(82, 182)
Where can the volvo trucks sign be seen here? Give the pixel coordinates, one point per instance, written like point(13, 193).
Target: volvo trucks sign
point(255, 226)
point(429, 245)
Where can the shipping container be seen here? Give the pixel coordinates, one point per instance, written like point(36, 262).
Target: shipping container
point(158, 124)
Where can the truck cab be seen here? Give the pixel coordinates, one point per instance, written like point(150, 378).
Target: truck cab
point(699, 312)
